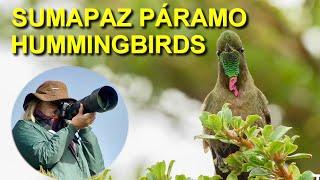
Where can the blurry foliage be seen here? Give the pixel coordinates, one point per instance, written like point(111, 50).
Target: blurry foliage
point(281, 66)
point(102, 176)
point(46, 172)
point(159, 171)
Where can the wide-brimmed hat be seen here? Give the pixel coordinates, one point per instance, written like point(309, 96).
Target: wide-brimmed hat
point(49, 91)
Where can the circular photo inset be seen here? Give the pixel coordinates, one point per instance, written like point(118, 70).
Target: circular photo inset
point(69, 123)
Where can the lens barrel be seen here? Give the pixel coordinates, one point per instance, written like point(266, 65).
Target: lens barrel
point(100, 100)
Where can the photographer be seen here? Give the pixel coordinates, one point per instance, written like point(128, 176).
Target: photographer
point(66, 148)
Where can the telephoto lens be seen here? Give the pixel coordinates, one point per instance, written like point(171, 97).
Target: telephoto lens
point(100, 100)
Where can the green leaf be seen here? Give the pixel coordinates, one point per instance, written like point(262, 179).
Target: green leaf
point(261, 178)
point(293, 138)
point(290, 148)
point(259, 172)
point(205, 136)
point(232, 176)
point(235, 160)
point(237, 122)
point(269, 165)
point(204, 115)
point(170, 167)
point(307, 175)
point(279, 132)
point(216, 122)
point(258, 160)
point(216, 177)
point(252, 132)
point(181, 177)
point(254, 158)
point(206, 122)
point(247, 167)
point(216, 137)
point(258, 142)
point(226, 115)
point(299, 156)
point(226, 141)
point(267, 131)
point(276, 147)
point(102, 176)
point(157, 171)
point(294, 170)
point(151, 176)
point(251, 119)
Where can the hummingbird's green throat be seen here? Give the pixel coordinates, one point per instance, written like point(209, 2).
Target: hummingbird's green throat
point(230, 63)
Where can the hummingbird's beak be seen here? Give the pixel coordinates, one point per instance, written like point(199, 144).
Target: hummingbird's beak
point(227, 48)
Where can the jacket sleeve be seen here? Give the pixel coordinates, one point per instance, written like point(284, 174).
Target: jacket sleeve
point(37, 149)
point(92, 151)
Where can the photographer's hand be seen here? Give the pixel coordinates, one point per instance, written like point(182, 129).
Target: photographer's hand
point(81, 120)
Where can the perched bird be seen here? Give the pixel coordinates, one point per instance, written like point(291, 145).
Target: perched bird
point(234, 86)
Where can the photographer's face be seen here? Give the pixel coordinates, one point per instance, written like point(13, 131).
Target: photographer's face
point(47, 108)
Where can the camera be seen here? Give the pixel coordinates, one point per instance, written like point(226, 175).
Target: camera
point(100, 100)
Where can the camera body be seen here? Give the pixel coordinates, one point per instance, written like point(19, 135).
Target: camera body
point(100, 100)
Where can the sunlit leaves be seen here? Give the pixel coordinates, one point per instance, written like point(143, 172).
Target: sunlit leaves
point(307, 175)
point(232, 176)
point(251, 119)
point(294, 170)
point(159, 171)
point(263, 150)
point(252, 131)
point(209, 178)
point(267, 131)
point(299, 156)
point(279, 132)
point(260, 173)
point(235, 162)
point(105, 175)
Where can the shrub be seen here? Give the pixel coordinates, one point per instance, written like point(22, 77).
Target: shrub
point(264, 152)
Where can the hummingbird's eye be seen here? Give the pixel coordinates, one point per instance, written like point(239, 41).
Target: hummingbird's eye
point(218, 53)
point(241, 50)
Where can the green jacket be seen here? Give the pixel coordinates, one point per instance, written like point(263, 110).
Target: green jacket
point(41, 147)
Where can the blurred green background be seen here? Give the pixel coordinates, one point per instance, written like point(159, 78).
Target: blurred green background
point(281, 40)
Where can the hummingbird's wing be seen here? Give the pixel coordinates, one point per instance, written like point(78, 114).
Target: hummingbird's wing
point(264, 107)
point(207, 106)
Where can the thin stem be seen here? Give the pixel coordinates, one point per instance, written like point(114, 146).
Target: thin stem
point(278, 159)
point(283, 171)
point(242, 141)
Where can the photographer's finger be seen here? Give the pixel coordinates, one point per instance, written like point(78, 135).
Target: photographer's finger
point(92, 118)
point(90, 115)
point(89, 121)
point(81, 109)
point(93, 115)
